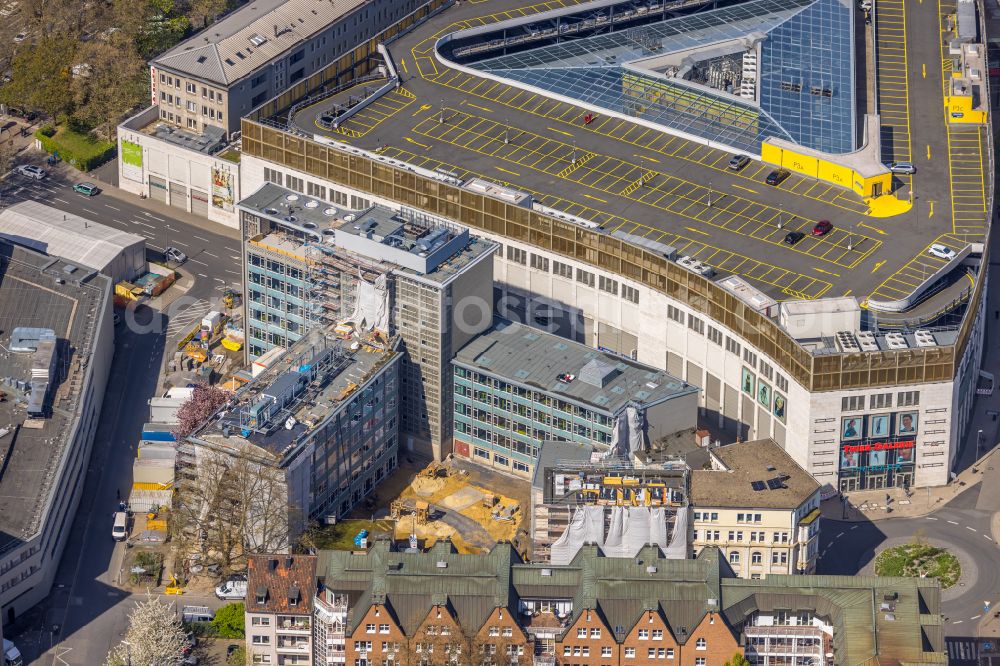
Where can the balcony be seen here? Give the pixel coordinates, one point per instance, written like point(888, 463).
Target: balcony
point(544, 624)
point(293, 647)
point(543, 660)
point(299, 625)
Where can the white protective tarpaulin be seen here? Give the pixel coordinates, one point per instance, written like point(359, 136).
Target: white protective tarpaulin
point(629, 529)
point(586, 526)
point(679, 548)
point(371, 305)
point(628, 435)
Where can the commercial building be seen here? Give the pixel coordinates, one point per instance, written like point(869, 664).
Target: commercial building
point(311, 263)
point(88, 244)
point(325, 414)
point(439, 607)
point(58, 342)
point(279, 609)
point(759, 508)
point(582, 495)
point(516, 386)
point(183, 148)
point(783, 352)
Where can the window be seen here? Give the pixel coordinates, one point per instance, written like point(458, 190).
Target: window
point(567, 651)
point(516, 255)
point(272, 175)
point(314, 190)
point(657, 634)
point(670, 653)
point(779, 557)
point(293, 183)
point(756, 557)
point(907, 398)
point(734, 557)
point(651, 653)
point(520, 467)
point(595, 633)
point(503, 461)
point(732, 346)
point(507, 632)
point(782, 382)
point(644, 634)
point(369, 628)
point(699, 661)
point(191, 88)
point(539, 263)
point(696, 324)
point(630, 653)
point(257, 80)
point(675, 314)
point(766, 370)
point(383, 628)
point(297, 57)
point(630, 294)
point(854, 403)
point(881, 401)
point(585, 277)
point(562, 270)
point(715, 335)
point(262, 659)
point(261, 640)
point(608, 285)
point(192, 107)
point(701, 644)
point(605, 651)
point(750, 357)
point(581, 633)
point(260, 622)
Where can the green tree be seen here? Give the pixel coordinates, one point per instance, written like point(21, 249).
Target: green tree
point(203, 12)
point(40, 76)
point(737, 660)
point(229, 621)
point(114, 84)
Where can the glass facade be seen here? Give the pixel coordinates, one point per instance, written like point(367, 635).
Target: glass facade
point(806, 73)
point(807, 76)
point(504, 423)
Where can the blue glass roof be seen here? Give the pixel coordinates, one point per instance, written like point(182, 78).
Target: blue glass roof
point(805, 76)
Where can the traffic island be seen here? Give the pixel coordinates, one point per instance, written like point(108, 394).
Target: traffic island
point(919, 559)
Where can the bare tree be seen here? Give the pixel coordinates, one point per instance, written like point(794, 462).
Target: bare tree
point(233, 504)
point(8, 151)
point(154, 636)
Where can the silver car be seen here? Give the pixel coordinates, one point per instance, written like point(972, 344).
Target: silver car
point(31, 171)
point(902, 167)
point(173, 254)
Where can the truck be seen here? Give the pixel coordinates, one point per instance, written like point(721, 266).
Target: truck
point(211, 324)
point(11, 655)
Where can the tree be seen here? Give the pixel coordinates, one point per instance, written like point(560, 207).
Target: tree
point(238, 657)
point(233, 504)
point(8, 151)
point(737, 660)
point(205, 400)
point(229, 621)
point(40, 76)
point(203, 12)
point(115, 83)
point(154, 636)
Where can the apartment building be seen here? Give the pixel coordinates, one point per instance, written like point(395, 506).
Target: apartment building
point(439, 607)
point(325, 413)
point(517, 386)
point(759, 507)
point(279, 609)
point(58, 342)
point(309, 263)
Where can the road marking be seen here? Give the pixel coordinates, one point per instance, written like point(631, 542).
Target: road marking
point(740, 187)
point(953, 522)
point(558, 131)
point(202, 275)
point(875, 229)
point(923, 70)
point(839, 535)
point(697, 231)
point(155, 217)
point(481, 108)
point(92, 212)
point(513, 173)
point(854, 527)
point(988, 537)
point(643, 157)
point(200, 263)
point(422, 145)
point(599, 199)
point(971, 528)
point(878, 265)
point(402, 61)
point(820, 270)
point(211, 255)
point(200, 238)
point(957, 622)
point(931, 212)
point(929, 518)
point(60, 200)
point(928, 151)
point(143, 224)
point(113, 207)
point(975, 617)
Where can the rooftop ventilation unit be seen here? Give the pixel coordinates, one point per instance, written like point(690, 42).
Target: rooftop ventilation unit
point(925, 338)
point(846, 342)
point(867, 341)
point(896, 341)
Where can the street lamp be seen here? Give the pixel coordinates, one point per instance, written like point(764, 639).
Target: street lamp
point(709, 194)
point(441, 114)
point(979, 440)
point(574, 153)
point(506, 130)
point(781, 216)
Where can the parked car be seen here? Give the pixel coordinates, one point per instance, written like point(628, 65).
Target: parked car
point(777, 177)
point(232, 589)
point(233, 647)
point(119, 531)
point(941, 251)
point(738, 162)
point(793, 237)
point(171, 253)
point(86, 189)
point(32, 171)
point(902, 167)
point(822, 228)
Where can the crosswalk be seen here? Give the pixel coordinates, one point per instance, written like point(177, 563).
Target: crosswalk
point(183, 318)
point(962, 651)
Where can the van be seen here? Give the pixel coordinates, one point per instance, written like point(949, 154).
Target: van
point(119, 529)
point(197, 614)
point(11, 655)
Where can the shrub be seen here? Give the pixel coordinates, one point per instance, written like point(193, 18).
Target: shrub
point(229, 621)
point(48, 130)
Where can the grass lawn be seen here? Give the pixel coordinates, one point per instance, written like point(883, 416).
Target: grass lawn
point(917, 559)
point(341, 536)
point(82, 145)
point(230, 154)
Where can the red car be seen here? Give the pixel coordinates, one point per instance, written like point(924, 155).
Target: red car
point(822, 227)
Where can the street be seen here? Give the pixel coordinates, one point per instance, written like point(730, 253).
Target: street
point(86, 614)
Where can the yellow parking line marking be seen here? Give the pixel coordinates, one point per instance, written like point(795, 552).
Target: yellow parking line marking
point(643, 157)
point(513, 173)
point(820, 270)
point(875, 229)
point(931, 211)
point(698, 231)
point(553, 129)
point(923, 70)
point(481, 108)
point(740, 187)
point(422, 145)
point(595, 198)
point(878, 265)
point(928, 151)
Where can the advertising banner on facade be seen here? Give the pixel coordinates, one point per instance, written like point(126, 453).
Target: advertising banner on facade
point(222, 189)
point(131, 160)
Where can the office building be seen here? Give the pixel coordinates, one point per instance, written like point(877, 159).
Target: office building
point(759, 507)
point(516, 386)
point(311, 263)
point(183, 148)
point(325, 413)
point(438, 606)
point(58, 342)
point(279, 609)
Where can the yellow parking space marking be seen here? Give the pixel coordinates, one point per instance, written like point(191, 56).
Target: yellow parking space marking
point(930, 212)
point(698, 231)
point(500, 168)
point(481, 108)
point(923, 70)
point(558, 131)
point(871, 228)
point(595, 198)
point(878, 265)
point(414, 141)
point(820, 270)
point(644, 157)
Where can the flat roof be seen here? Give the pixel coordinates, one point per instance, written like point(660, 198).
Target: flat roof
point(634, 181)
point(34, 449)
point(379, 235)
point(251, 37)
point(731, 485)
point(554, 451)
point(77, 239)
point(598, 380)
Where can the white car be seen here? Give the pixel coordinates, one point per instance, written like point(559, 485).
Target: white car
point(941, 251)
point(31, 171)
point(232, 589)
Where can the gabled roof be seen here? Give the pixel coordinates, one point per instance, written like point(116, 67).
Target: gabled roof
point(251, 37)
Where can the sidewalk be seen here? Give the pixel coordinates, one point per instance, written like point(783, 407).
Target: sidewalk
point(870, 505)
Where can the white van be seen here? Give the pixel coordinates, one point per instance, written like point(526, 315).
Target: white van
point(11, 655)
point(119, 530)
